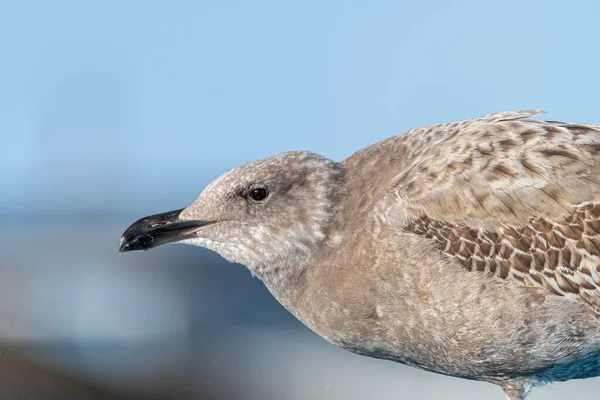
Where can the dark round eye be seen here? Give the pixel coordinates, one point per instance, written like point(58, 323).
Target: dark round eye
point(258, 194)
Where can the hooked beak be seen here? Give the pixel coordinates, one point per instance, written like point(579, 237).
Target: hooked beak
point(154, 230)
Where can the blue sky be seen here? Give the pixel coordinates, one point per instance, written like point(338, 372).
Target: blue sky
point(131, 107)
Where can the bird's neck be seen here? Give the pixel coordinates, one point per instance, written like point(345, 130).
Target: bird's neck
point(286, 280)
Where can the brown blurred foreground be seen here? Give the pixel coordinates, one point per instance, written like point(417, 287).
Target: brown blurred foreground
point(23, 380)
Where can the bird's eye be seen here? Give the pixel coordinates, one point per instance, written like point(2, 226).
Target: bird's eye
point(258, 194)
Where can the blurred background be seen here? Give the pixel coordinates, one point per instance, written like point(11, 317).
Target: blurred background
point(113, 110)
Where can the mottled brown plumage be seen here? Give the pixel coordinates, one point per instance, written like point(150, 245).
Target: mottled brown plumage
point(561, 256)
point(470, 248)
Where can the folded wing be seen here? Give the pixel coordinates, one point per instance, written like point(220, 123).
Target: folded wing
point(516, 198)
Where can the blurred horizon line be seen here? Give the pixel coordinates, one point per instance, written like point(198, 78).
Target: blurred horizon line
point(99, 216)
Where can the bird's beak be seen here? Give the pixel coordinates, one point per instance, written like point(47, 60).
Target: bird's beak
point(152, 231)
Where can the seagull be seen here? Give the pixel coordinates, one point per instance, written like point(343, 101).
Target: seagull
point(469, 249)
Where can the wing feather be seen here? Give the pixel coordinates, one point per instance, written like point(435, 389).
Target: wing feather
point(514, 197)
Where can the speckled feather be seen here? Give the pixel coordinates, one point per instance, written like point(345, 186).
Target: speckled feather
point(469, 248)
point(561, 256)
point(511, 197)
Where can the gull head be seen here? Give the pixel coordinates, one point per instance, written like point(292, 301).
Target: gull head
point(262, 214)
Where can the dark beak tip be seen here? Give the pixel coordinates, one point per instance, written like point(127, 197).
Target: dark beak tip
point(123, 245)
point(128, 244)
point(158, 229)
